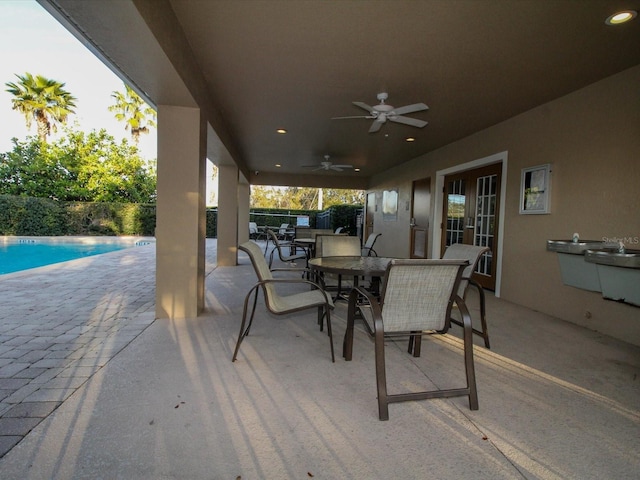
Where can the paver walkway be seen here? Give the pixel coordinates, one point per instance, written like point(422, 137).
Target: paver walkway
point(60, 324)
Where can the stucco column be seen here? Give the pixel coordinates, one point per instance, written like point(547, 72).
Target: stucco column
point(180, 218)
point(227, 215)
point(244, 193)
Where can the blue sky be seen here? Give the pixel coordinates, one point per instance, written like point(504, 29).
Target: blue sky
point(31, 40)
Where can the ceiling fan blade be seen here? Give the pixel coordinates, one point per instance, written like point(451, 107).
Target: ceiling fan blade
point(375, 126)
point(355, 116)
point(336, 168)
point(368, 108)
point(343, 166)
point(414, 122)
point(416, 107)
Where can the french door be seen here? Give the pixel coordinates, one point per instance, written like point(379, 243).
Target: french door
point(471, 206)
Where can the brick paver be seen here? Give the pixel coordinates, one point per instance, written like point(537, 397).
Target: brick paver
point(60, 324)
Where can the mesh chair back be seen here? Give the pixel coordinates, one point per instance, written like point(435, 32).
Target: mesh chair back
point(471, 253)
point(283, 229)
point(283, 256)
point(418, 294)
point(337, 246)
point(260, 265)
point(274, 239)
point(367, 248)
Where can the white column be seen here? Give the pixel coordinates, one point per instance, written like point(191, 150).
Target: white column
point(244, 193)
point(180, 218)
point(227, 215)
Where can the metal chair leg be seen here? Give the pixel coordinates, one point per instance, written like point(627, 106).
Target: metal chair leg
point(244, 332)
point(484, 333)
point(381, 373)
point(468, 357)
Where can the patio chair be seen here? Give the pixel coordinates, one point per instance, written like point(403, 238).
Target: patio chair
point(253, 230)
point(293, 250)
point(367, 248)
point(284, 232)
point(337, 246)
point(417, 296)
point(281, 304)
point(473, 254)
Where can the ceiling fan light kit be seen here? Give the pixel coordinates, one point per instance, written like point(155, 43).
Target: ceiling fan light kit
point(382, 112)
point(327, 165)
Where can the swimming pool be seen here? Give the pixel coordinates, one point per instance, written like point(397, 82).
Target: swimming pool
point(23, 253)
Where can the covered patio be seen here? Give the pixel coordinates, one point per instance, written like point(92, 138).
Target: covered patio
point(557, 401)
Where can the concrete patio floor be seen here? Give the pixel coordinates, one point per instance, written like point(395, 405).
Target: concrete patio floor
point(142, 399)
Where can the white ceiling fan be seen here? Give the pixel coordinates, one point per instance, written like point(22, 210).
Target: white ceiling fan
point(382, 112)
point(327, 165)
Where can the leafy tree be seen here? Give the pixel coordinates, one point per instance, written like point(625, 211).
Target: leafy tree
point(78, 167)
point(334, 196)
point(302, 198)
point(42, 99)
point(130, 108)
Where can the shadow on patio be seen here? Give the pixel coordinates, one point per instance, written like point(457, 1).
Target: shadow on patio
point(556, 402)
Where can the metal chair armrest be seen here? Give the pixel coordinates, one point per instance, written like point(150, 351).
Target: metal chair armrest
point(356, 294)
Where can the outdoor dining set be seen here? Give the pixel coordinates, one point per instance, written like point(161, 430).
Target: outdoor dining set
point(391, 297)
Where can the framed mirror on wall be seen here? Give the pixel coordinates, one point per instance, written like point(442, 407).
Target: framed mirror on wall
point(535, 190)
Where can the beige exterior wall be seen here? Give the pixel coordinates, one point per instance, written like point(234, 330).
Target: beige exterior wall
point(591, 138)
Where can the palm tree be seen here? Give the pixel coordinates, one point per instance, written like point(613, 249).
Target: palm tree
point(42, 99)
point(130, 108)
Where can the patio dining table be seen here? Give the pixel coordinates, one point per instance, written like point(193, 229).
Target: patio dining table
point(352, 266)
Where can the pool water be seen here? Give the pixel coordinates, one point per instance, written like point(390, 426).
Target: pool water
point(15, 257)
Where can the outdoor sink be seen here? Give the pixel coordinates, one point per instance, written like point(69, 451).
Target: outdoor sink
point(574, 248)
point(574, 270)
point(618, 272)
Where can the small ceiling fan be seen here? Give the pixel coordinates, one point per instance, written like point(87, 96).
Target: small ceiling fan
point(327, 165)
point(382, 112)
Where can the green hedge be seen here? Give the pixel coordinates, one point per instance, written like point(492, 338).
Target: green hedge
point(212, 223)
point(345, 216)
point(45, 217)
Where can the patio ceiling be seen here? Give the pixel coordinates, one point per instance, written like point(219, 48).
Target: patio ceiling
point(264, 65)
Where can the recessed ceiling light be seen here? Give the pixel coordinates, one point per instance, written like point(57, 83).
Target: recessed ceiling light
point(409, 139)
point(621, 17)
point(281, 131)
point(356, 169)
point(278, 165)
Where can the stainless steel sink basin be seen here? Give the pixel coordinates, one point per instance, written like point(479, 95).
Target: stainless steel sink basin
point(628, 259)
point(574, 248)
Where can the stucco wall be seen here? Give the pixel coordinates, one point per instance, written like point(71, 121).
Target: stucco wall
point(591, 138)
